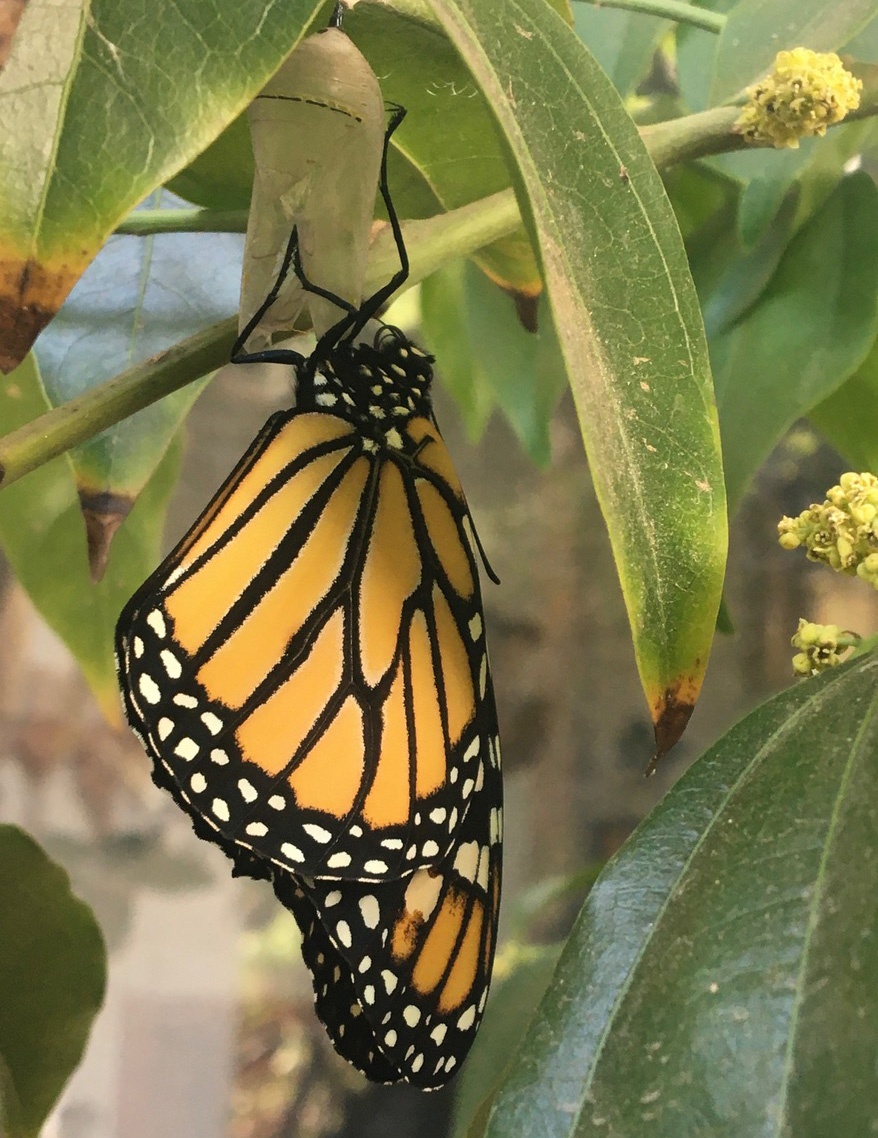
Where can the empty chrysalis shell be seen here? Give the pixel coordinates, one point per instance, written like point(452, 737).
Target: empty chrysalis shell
point(318, 128)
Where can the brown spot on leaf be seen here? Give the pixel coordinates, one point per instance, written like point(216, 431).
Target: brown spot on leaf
point(103, 513)
point(10, 13)
point(30, 295)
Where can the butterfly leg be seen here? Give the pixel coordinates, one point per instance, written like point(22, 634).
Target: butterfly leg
point(270, 355)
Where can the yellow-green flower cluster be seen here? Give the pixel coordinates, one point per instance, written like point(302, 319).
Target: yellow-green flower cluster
point(822, 646)
point(843, 531)
point(805, 93)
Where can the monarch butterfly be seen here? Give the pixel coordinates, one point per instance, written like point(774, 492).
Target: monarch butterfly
point(308, 672)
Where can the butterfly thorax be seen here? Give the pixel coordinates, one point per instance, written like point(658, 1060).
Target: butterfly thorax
point(377, 386)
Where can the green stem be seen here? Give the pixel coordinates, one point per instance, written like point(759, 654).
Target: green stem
point(672, 10)
point(693, 136)
point(432, 241)
point(107, 403)
point(145, 222)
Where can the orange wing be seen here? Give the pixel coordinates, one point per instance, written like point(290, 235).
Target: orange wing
point(308, 668)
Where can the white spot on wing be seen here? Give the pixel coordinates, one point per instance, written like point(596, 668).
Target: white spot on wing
point(466, 860)
point(186, 749)
point(370, 911)
point(317, 832)
point(171, 664)
point(212, 722)
point(148, 688)
point(467, 1019)
point(156, 622)
point(292, 852)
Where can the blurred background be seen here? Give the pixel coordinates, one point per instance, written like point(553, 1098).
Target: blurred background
point(208, 1027)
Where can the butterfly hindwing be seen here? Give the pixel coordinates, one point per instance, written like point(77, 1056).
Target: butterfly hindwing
point(401, 969)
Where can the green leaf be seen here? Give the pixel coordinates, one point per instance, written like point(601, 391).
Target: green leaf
point(139, 296)
point(220, 177)
point(849, 417)
point(486, 359)
point(623, 43)
point(722, 978)
point(448, 138)
point(809, 331)
point(103, 102)
point(523, 370)
point(446, 333)
point(43, 536)
point(629, 327)
point(756, 30)
point(52, 978)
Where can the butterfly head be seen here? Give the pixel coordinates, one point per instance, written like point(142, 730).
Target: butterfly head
point(378, 386)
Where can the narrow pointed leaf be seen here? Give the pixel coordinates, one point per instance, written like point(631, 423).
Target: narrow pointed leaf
point(52, 977)
point(722, 978)
point(629, 327)
point(810, 329)
point(43, 536)
point(102, 103)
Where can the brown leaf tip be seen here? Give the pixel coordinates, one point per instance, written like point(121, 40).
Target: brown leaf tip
point(103, 512)
point(671, 714)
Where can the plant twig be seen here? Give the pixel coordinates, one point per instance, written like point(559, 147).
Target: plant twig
point(675, 10)
point(144, 222)
point(432, 241)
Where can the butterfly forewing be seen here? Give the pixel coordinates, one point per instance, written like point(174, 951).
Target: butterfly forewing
point(306, 667)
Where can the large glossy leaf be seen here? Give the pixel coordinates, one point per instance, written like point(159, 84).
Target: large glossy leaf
point(756, 30)
point(629, 328)
point(810, 329)
point(43, 536)
point(52, 977)
point(102, 102)
point(849, 417)
point(139, 296)
point(722, 978)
